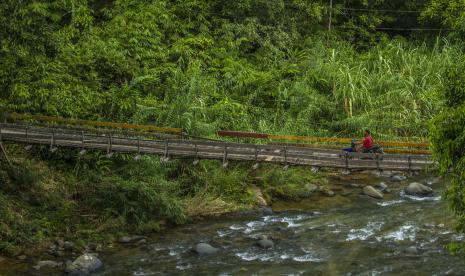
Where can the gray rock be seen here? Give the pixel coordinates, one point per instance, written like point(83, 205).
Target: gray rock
point(21, 257)
point(60, 243)
point(125, 239)
point(311, 188)
point(412, 250)
point(264, 242)
point(128, 239)
point(372, 192)
point(398, 178)
point(84, 264)
point(353, 185)
point(68, 245)
point(329, 193)
point(266, 211)
point(432, 181)
point(382, 186)
point(142, 241)
point(52, 264)
point(205, 248)
point(418, 189)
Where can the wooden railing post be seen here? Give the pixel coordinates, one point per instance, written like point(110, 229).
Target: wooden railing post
point(138, 145)
point(377, 162)
point(83, 147)
point(285, 156)
point(196, 149)
point(256, 153)
point(109, 146)
point(347, 160)
point(409, 163)
point(225, 157)
point(165, 156)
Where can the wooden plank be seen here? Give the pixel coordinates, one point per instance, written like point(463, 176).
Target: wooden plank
point(215, 150)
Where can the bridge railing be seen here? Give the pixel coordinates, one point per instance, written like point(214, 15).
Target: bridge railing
point(89, 123)
point(395, 147)
point(179, 148)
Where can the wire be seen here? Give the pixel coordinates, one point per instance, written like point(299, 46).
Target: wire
point(400, 29)
point(413, 29)
point(381, 10)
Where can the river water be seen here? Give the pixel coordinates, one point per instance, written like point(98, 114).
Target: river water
point(348, 234)
point(342, 235)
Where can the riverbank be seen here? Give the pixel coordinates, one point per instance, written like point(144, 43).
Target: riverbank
point(348, 193)
point(93, 200)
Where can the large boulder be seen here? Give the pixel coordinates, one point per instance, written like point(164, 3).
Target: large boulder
point(372, 192)
point(84, 264)
point(204, 249)
point(264, 242)
point(418, 189)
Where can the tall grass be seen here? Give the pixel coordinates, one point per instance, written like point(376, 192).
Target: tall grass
point(315, 90)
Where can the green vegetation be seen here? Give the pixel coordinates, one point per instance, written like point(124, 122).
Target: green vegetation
point(252, 65)
point(92, 198)
point(447, 136)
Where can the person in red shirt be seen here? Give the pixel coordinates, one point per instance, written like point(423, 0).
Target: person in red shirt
point(367, 142)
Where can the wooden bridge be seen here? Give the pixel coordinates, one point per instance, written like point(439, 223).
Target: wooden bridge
point(172, 147)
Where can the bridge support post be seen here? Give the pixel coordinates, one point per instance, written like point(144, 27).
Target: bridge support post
point(196, 150)
point(347, 160)
point(52, 142)
point(83, 148)
point(377, 163)
point(409, 163)
point(165, 155)
point(109, 146)
point(138, 156)
point(225, 157)
point(255, 166)
point(28, 146)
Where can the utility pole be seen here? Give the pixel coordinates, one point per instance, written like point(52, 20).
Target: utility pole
point(330, 14)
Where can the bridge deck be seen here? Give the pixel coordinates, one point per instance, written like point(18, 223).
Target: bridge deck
point(206, 149)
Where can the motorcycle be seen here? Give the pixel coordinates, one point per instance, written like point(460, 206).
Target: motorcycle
point(373, 149)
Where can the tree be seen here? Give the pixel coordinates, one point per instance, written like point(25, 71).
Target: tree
point(447, 135)
point(450, 14)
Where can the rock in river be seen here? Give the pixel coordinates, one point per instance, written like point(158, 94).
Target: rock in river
point(264, 242)
point(204, 248)
point(398, 178)
point(383, 187)
point(412, 250)
point(84, 264)
point(418, 189)
point(370, 191)
point(128, 239)
point(41, 264)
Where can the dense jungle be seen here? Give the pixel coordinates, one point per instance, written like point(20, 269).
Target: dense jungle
point(298, 67)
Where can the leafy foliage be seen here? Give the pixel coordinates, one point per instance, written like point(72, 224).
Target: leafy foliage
point(447, 136)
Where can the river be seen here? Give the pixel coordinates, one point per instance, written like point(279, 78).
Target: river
point(348, 234)
point(342, 235)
